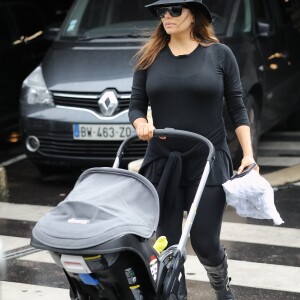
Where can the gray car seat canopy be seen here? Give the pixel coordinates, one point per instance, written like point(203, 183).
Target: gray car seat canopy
point(105, 203)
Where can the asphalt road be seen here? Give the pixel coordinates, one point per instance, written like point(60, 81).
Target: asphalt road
point(264, 259)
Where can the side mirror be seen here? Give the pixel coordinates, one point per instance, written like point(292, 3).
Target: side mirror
point(264, 28)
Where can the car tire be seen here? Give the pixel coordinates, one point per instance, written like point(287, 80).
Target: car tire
point(252, 110)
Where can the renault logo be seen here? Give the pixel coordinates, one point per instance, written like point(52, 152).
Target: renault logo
point(108, 103)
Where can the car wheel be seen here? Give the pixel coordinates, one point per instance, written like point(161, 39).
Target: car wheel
point(253, 119)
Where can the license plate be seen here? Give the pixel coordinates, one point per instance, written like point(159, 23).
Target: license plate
point(95, 132)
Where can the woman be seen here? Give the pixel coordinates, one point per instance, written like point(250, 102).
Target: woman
point(185, 73)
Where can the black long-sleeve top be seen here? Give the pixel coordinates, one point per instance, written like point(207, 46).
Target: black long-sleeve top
point(187, 92)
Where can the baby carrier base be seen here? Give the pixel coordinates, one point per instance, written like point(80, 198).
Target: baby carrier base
point(128, 268)
point(122, 272)
point(102, 241)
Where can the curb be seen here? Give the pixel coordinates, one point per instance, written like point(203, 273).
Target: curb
point(284, 176)
point(3, 185)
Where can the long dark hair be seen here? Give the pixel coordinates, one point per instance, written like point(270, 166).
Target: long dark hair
point(202, 32)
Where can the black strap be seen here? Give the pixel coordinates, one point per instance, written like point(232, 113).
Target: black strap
point(72, 286)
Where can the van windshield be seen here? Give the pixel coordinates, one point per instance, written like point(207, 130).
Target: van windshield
point(94, 19)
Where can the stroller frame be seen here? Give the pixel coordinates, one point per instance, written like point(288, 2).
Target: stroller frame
point(172, 270)
point(160, 283)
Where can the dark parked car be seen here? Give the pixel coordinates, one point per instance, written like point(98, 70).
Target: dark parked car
point(22, 48)
point(74, 105)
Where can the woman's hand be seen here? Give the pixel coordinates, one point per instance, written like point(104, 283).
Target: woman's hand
point(145, 131)
point(247, 161)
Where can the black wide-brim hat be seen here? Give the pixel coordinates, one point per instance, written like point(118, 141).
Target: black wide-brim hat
point(196, 3)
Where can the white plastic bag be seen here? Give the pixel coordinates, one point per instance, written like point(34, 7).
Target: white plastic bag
point(252, 196)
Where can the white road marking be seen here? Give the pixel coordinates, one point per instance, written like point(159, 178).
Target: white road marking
point(277, 161)
point(237, 232)
point(258, 234)
point(283, 176)
point(14, 291)
point(282, 147)
point(22, 212)
point(42, 256)
point(13, 160)
point(10, 242)
point(250, 274)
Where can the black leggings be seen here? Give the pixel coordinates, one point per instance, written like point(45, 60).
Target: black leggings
point(205, 233)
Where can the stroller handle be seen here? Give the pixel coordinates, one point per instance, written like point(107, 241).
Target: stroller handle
point(167, 132)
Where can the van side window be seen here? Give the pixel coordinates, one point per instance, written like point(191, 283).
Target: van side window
point(243, 21)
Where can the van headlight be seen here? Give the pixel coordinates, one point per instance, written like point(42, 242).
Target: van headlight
point(34, 89)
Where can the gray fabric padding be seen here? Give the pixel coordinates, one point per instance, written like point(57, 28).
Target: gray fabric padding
point(105, 203)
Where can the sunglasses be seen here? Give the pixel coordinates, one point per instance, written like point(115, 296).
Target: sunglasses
point(174, 10)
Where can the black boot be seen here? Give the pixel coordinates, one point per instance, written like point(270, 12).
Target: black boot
point(219, 280)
